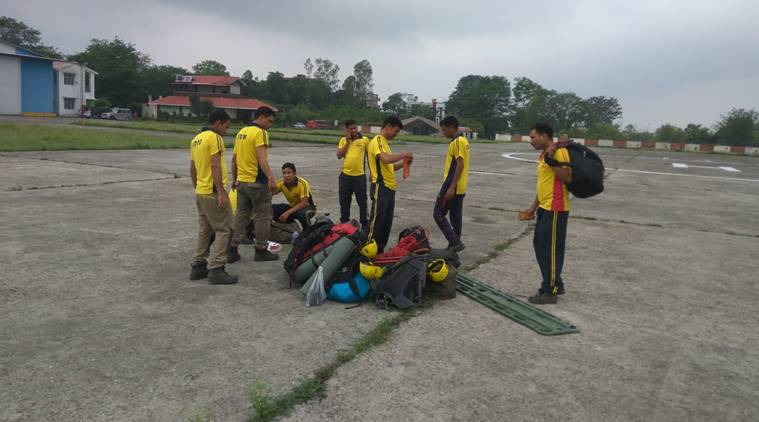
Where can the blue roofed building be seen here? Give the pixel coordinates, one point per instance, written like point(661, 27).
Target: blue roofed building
point(27, 82)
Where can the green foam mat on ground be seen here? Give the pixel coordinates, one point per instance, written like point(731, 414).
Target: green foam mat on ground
point(528, 315)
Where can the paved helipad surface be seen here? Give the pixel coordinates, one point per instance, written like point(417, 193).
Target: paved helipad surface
point(100, 323)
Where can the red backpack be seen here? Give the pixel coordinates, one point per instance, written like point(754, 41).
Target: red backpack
point(338, 231)
point(413, 240)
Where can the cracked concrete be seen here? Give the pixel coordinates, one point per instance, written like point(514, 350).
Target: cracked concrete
point(101, 323)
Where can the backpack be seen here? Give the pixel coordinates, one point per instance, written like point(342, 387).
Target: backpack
point(587, 169)
point(348, 285)
point(282, 232)
point(403, 283)
point(412, 240)
point(349, 229)
point(311, 236)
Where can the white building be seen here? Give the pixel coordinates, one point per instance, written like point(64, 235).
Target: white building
point(74, 88)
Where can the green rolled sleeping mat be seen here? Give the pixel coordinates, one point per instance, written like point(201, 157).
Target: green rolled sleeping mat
point(309, 266)
point(331, 259)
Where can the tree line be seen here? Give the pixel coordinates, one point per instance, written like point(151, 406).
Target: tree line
point(487, 104)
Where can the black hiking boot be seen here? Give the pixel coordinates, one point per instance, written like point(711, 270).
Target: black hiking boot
point(220, 276)
point(233, 255)
point(561, 291)
point(456, 247)
point(199, 270)
point(542, 298)
point(265, 255)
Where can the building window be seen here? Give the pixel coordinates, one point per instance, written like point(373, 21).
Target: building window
point(68, 78)
point(87, 82)
point(69, 103)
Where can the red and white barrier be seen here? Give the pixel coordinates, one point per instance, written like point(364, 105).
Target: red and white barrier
point(661, 146)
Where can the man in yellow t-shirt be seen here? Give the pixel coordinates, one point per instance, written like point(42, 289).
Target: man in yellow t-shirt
point(297, 191)
point(382, 166)
point(450, 199)
point(252, 177)
point(352, 181)
point(552, 206)
point(208, 172)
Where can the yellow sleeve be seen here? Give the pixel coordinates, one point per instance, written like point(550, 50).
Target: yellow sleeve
point(562, 155)
point(456, 153)
point(341, 143)
point(373, 148)
point(258, 139)
point(238, 138)
point(280, 184)
point(305, 189)
point(214, 143)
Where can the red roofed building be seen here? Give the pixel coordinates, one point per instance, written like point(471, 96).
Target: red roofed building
point(225, 92)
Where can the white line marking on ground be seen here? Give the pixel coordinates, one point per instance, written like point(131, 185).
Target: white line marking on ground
point(725, 168)
point(511, 156)
point(689, 175)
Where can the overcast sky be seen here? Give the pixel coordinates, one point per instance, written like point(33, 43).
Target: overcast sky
point(666, 61)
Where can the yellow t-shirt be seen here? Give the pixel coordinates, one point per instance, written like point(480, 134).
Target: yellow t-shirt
point(202, 147)
point(353, 162)
point(386, 171)
point(553, 194)
point(247, 140)
point(457, 148)
point(295, 194)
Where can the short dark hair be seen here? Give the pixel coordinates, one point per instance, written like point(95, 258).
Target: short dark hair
point(263, 111)
point(218, 115)
point(290, 166)
point(450, 121)
point(543, 128)
point(349, 122)
point(392, 121)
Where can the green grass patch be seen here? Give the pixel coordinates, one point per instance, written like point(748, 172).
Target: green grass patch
point(268, 406)
point(15, 137)
point(148, 125)
point(321, 136)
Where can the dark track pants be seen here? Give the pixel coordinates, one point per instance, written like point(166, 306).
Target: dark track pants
point(549, 242)
point(349, 186)
point(383, 208)
point(300, 215)
point(455, 208)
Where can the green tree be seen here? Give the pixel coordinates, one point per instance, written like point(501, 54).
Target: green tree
point(603, 131)
point(276, 87)
point(210, 68)
point(159, 80)
point(200, 107)
point(309, 67)
point(395, 104)
point(327, 72)
point(669, 133)
point(485, 99)
point(119, 65)
point(364, 84)
point(23, 35)
point(565, 111)
point(602, 110)
point(347, 95)
point(738, 127)
point(696, 133)
point(423, 110)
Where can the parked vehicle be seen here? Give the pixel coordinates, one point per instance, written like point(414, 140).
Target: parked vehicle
point(117, 113)
point(299, 125)
point(317, 124)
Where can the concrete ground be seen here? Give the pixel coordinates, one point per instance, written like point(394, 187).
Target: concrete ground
point(100, 322)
